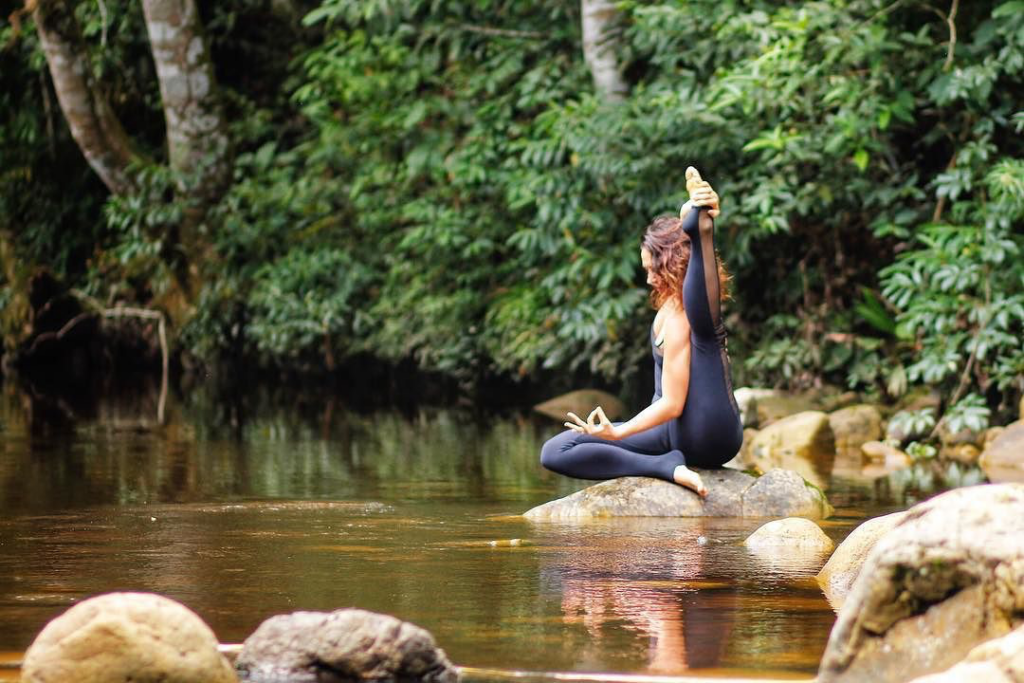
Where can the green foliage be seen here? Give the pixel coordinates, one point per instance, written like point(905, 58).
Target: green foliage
point(913, 422)
point(438, 181)
point(960, 294)
point(969, 414)
point(921, 451)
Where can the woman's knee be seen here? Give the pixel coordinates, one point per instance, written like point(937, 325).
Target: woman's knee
point(554, 448)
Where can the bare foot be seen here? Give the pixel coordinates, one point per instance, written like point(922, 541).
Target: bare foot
point(684, 476)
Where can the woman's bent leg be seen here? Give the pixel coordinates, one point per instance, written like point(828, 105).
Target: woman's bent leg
point(646, 454)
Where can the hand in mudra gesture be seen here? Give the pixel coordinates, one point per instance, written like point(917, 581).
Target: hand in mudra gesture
point(603, 428)
point(701, 194)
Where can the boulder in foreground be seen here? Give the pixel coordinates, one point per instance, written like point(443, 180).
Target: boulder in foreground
point(837, 576)
point(778, 493)
point(996, 661)
point(344, 645)
point(120, 637)
point(947, 577)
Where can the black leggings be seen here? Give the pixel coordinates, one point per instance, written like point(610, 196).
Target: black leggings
point(709, 432)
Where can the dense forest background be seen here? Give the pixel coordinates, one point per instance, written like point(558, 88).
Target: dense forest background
point(463, 185)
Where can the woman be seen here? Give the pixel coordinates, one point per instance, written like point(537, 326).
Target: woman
point(693, 418)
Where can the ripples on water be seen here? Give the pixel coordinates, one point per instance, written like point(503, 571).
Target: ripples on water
point(245, 514)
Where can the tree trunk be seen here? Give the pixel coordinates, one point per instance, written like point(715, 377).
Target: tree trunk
point(600, 48)
point(195, 119)
point(93, 124)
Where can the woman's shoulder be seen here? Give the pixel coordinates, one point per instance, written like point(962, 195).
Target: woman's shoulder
point(673, 323)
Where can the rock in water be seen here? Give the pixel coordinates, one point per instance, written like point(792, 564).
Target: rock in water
point(839, 573)
point(778, 493)
point(947, 577)
point(784, 493)
point(121, 637)
point(790, 545)
point(802, 442)
point(879, 450)
point(1003, 457)
point(788, 534)
point(344, 645)
point(855, 425)
point(582, 402)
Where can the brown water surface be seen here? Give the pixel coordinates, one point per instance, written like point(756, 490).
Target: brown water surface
point(243, 512)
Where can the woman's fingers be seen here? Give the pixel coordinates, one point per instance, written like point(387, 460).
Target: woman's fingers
point(596, 422)
point(692, 178)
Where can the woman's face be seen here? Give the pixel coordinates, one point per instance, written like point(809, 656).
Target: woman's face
point(645, 260)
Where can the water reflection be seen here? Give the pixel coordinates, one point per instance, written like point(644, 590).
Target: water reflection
point(262, 504)
point(648, 584)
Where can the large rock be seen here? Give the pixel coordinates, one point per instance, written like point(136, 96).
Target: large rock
point(995, 661)
point(802, 442)
point(1003, 457)
point(120, 637)
point(730, 494)
point(839, 573)
point(947, 577)
point(854, 426)
point(344, 645)
point(582, 402)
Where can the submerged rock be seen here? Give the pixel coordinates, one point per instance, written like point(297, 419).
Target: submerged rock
point(344, 645)
point(839, 573)
point(793, 544)
point(995, 661)
point(1003, 457)
point(731, 493)
point(582, 402)
point(122, 637)
point(792, 533)
point(947, 577)
point(801, 442)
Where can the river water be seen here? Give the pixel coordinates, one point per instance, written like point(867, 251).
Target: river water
point(269, 504)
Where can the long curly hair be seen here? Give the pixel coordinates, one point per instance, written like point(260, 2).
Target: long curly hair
point(670, 248)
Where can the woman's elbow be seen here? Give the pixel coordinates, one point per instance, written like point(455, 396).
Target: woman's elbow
point(674, 406)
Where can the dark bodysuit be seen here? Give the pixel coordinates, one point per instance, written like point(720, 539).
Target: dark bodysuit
point(709, 432)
